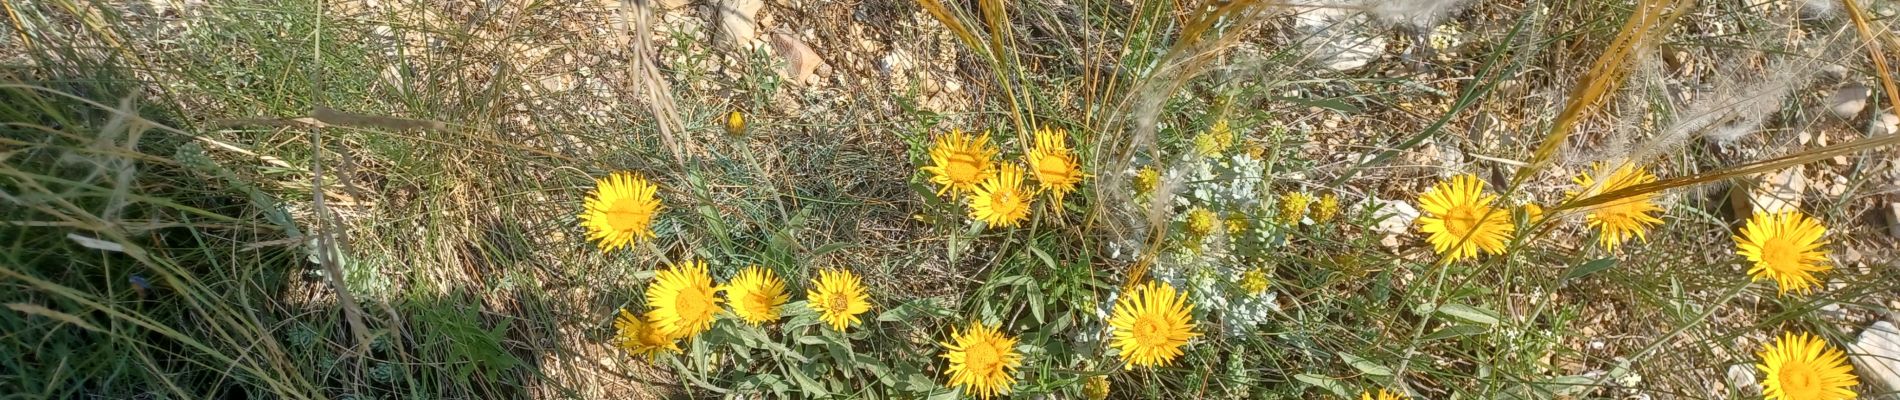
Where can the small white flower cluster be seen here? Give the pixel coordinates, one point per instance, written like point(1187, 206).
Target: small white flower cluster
point(1207, 267)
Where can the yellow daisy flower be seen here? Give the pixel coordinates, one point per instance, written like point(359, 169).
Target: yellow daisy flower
point(1382, 395)
point(1784, 247)
point(1460, 220)
point(958, 162)
point(1804, 367)
point(982, 359)
point(1000, 201)
point(1618, 220)
point(1146, 180)
point(683, 300)
point(1054, 164)
point(1327, 209)
point(755, 295)
point(1096, 387)
point(1151, 324)
point(735, 123)
point(620, 211)
point(1292, 208)
point(640, 337)
point(1200, 222)
point(1255, 281)
point(838, 297)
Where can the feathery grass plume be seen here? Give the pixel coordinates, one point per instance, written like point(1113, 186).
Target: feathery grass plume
point(1292, 208)
point(1618, 221)
point(756, 294)
point(982, 360)
point(619, 211)
point(1652, 19)
point(999, 201)
point(639, 337)
point(1784, 247)
point(1054, 164)
point(1803, 157)
point(1128, 125)
point(1805, 367)
point(1150, 325)
point(1875, 52)
point(1740, 104)
point(1460, 221)
point(959, 162)
point(683, 300)
point(838, 296)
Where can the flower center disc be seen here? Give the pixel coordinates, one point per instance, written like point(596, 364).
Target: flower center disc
point(1459, 221)
point(626, 215)
point(1003, 202)
point(1780, 256)
point(693, 302)
point(1054, 167)
point(980, 358)
point(837, 303)
point(1149, 332)
point(1797, 381)
point(962, 167)
point(758, 302)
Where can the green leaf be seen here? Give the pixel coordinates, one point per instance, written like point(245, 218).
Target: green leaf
point(1323, 382)
point(1594, 266)
point(812, 388)
point(1469, 313)
point(919, 383)
point(1571, 385)
point(1013, 280)
point(1364, 365)
point(1333, 104)
point(827, 248)
point(945, 394)
point(1035, 302)
point(1455, 331)
point(1044, 256)
point(841, 353)
point(911, 310)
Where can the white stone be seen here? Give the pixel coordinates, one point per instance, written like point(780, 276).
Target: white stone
point(1886, 124)
point(1876, 357)
point(1395, 219)
point(801, 62)
point(1742, 377)
point(1779, 191)
point(1337, 35)
point(1847, 102)
point(1893, 217)
point(738, 21)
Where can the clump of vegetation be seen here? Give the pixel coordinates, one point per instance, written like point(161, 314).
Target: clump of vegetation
point(1143, 200)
